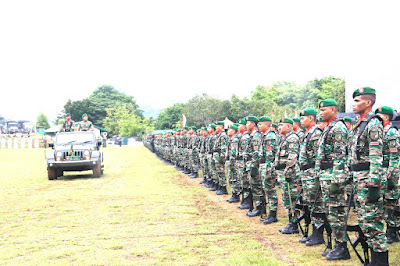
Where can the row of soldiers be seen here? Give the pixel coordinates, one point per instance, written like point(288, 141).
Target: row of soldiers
point(316, 167)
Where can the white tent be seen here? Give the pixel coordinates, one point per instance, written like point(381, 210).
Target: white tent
point(227, 123)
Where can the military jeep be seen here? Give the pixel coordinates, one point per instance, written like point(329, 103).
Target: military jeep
point(75, 151)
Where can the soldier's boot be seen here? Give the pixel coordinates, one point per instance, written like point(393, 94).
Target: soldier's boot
point(245, 204)
point(287, 226)
point(195, 175)
point(379, 258)
point(391, 235)
point(255, 212)
point(214, 186)
point(207, 184)
point(222, 191)
point(316, 238)
point(203, 181)
point(234, 198)
point(186, 171)
point(292, 228)
point(340, 252)
point(271, 218)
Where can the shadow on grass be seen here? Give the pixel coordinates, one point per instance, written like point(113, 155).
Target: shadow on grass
point(77, 177)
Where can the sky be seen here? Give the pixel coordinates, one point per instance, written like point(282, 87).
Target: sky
point(164, 52)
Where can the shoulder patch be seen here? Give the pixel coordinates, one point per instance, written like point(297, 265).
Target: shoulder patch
point(374, 135)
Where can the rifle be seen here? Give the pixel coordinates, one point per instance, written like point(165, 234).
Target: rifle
point(325, 225)
point(263, 206)
point(305, 216)
point(361, 239)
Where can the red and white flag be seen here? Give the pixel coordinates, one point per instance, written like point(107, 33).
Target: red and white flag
point(183, 120)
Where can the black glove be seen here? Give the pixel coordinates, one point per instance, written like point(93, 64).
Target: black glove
point(373, 194)
point(253, 172)
point(391, 184)
point(334, 189)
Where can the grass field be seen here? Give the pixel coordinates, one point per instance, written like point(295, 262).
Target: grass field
point(142, 211)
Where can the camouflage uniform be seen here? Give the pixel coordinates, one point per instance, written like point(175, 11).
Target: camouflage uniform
point(300, 132)
point(366, 159)
point(211, 163)
point(68, 126)
point(231, 156)
point(285, 165)
point(252, 157)
point(267, 170)
point(219, 157)
point(85, 126)
point(330, 168)
point(240, 167)
point(194, 165)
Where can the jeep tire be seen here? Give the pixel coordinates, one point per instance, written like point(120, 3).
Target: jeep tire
point(51, 173)
point(97, 170)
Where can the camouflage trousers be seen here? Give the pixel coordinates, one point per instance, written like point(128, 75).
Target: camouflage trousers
point(211, 167)
point(334, 206)
point(310, 189)
point(244, 177)
point(268, 178)
point(255, 186)
point(201, 164)
point(194, 164)
point(390, 196)
point(186, 158)
point(220, 170)
point(370, 215)
point(233, 177)
point(289, 190)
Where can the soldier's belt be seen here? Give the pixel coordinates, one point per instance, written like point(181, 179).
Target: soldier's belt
point(385, 164)
point(217, 150)
point(240, 157)
point(307, 166)
point(262, 160)
point(280, 166)
point(360, 166)
point(325, 166)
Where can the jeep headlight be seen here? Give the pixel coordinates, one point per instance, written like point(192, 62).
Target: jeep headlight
point(59, 154)
point(86, 153)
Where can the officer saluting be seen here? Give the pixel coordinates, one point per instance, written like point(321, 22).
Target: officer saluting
point(366, 159)
point(85, 124)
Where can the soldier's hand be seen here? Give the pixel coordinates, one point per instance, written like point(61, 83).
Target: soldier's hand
point(334, 189)
point(391, 184)
point(253, 172)
point(373, 194)
point(288, 179)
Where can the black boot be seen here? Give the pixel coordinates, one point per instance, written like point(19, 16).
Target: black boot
point(379, 258)
point(340, 252)
point(255, 212)
point(214, 186)
point(245, 201)
point(234, 198)
point(208, 183)
point(222, 191)
point(186, 171)
point(316, 238)
point(391, 235)
point(203, 181)
point(291, 229)
point(271, 218)
point(195, 175)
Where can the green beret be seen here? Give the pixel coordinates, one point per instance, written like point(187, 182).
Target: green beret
point(274, 125)
point(319, 119)
point(236, 124)
point(242, 121)
point(362, 91)
point(233, 127)
point(384, 110)
point(252, 118)
point(220, 123)
point(265, 118)
point(327, 102)
point(296, 119)
point(347, 119)
point(287, 120)
point(308, 111)
point(186, 127)
point(67, 114)
point(212, 126)
point(195, 128)
point(84, 115)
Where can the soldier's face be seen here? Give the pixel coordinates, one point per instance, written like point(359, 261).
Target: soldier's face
point(263, 126)
point(85, 118)
point(296, 126)
point(360, 104)
point(384, 117)
point(284, 129)
point(327, 113)
point(219, 128)
point(348, 125)
point(68, 118)
point(306, 121)
point(250, 125)
point(242, 127)
point(230, 132)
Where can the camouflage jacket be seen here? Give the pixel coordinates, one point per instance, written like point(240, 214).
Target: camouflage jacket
point(331, 156)
point(68, 126)
point(220, 144)
point(391, 150)
point(232, 148)
point(211, 143)
point(309, 149)
point(269, 147)
point(252, 151)
point(366, 147)
point(301, 134)
point(243, 141)
point(194, 145)
point(85, 126)
point(288, 153)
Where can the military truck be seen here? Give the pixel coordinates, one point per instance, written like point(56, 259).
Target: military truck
point(75, 151)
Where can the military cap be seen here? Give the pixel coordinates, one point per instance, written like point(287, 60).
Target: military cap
point(212, 126)
point(252, 118)
point(327, 102)
point(296, 119)
point(84, 115)
point(242, 121)
point(347, 119)
point(384, 110)
point(233, 127)
point(194, 128)
point(67, 114)
point(363, 91)
point(287, 120)
point(236, 124)
point(319, 119)
point(221, 123)
point(186, 127)
point(274, 125)
point(265, 119)
point(308, 111)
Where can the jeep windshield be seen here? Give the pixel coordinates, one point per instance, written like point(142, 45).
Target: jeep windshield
point(74, 138)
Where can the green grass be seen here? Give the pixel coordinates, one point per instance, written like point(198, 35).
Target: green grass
point(141, 211)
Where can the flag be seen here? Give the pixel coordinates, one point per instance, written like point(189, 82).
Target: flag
point(183, 120)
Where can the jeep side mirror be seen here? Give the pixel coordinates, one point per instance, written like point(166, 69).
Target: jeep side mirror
point(51, 145)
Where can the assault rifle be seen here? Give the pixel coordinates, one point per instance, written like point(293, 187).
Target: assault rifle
point(306, 216)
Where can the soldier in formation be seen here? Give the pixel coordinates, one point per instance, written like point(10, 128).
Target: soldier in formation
point(320, 162)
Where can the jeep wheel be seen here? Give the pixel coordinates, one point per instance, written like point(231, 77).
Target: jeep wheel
point(97, 170)
point(51, 173)
point(60, 173)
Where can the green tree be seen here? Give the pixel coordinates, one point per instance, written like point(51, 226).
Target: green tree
point(42, 121)
point(170, 117)
point(203, 109)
